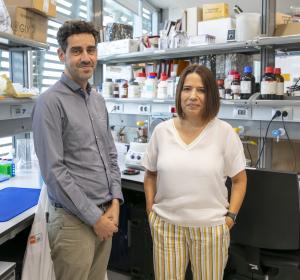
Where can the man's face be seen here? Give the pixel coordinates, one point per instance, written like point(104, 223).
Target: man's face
point(80, 58)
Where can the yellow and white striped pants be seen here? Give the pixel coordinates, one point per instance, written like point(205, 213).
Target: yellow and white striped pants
point(174, 246)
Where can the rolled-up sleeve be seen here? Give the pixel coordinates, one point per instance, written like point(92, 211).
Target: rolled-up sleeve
point(48, 142)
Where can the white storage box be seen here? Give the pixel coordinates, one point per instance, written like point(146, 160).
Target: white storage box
point(117, 47)
point(217, 27)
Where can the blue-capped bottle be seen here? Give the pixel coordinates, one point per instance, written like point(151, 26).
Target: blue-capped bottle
point(247, 83)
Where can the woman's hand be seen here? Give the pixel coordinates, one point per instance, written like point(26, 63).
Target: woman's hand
point(229, 222)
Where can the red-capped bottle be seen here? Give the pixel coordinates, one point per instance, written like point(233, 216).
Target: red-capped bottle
point(236, 86)
point(268, 86)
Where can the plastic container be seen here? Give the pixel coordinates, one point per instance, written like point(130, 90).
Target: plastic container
point(247, 83)
point(107, 88)
point(162, 88)
point(248, 26)
point(141, 78)
point(134, 90)
point(268, 86)
point(280, 83)
point(150, 87)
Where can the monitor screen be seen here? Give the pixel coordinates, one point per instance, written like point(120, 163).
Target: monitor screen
point(269, 217)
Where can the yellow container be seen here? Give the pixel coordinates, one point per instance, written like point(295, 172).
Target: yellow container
point(215, 11)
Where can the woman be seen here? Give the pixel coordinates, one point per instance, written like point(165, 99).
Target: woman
point(187, 162)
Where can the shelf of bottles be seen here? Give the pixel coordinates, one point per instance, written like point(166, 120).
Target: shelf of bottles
point(291, 42)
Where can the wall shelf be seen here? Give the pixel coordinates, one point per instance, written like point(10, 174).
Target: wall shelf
point(13, 42)
point(285, 43)
point(187, 52)
point(15, 115)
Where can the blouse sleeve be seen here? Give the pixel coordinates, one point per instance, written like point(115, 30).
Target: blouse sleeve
point(235, 160)
point(151, 154)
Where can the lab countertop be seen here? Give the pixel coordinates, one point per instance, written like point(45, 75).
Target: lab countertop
point(135, 178)
point(30, 178)
point(25, 178)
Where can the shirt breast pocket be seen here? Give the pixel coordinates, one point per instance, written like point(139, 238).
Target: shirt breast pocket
point(101, 129)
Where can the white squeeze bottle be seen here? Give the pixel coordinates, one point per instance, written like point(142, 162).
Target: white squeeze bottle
point(149, 90)
point(162, 86)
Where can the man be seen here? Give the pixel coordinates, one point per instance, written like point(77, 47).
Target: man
point(78, 161)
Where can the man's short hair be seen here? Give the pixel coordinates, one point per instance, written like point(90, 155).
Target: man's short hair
point(72, 27)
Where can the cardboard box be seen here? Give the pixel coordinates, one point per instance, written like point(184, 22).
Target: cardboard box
point(28, 24)
point(287, 29)
point(194, 15)
point(117, 47)
point(215, 11)
point(217, 27)
point(283, 18)
point(45, 7)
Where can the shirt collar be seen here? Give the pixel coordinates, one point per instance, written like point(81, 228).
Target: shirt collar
point(74, 86)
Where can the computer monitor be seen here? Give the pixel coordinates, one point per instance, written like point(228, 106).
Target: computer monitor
point(269, 217)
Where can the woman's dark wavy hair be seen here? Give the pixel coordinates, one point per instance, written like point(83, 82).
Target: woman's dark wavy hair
point(72, 27)
point(212, 99)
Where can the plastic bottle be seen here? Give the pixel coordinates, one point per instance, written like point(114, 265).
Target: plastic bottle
point(107, 88)
point(141, 78)
point(134, 90)
point(236, 86)
point(171, 89)
point(268, 86)
point(162, 88)
point(220, 83)
point(247, 83)
point(149, 90)
point(280, 84)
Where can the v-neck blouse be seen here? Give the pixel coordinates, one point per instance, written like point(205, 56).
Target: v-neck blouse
point(191, 178)
point(196, 139)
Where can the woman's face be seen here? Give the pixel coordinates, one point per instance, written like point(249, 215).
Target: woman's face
point(193, 96)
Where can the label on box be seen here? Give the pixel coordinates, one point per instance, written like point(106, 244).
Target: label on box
point(46, 6)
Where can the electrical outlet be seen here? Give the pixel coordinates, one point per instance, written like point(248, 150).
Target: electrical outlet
point(18, 111)
point(145, 109)
point(288, 110)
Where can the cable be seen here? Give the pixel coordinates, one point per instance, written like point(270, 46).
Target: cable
point(248, 150)
point(277, 114)
point(284, 114)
